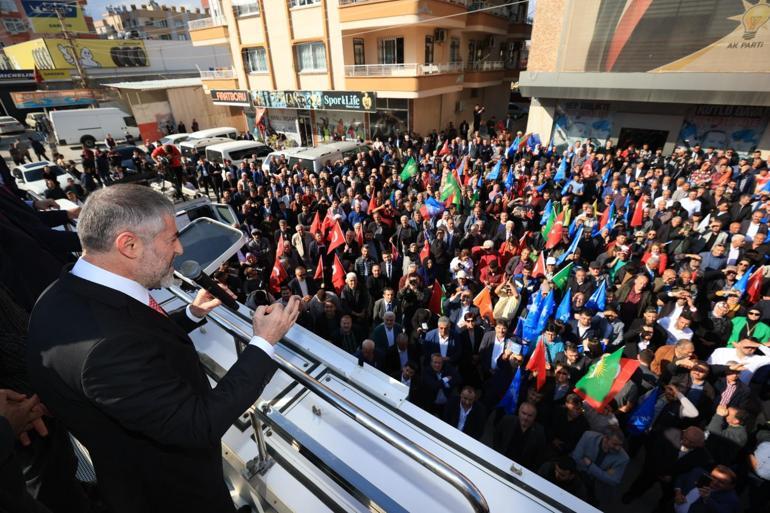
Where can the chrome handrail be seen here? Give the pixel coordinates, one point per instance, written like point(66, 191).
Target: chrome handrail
point(422, 456)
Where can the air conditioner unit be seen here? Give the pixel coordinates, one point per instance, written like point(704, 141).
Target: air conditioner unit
point(439, 35)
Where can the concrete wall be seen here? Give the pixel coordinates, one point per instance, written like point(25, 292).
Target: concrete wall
point(191, 102)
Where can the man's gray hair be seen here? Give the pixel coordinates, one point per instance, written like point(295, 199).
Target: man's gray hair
point(444, 320)
point(118, 208)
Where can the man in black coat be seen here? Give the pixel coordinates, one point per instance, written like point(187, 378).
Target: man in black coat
point(124, 376)
point(465, 413)
point(520, 438)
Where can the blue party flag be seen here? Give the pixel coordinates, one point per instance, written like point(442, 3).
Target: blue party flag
point(519, 331)
point(566, 187)
point(480, 183)
point(561, 173)
point(607, 175)
point(432, 208)
point(509, 181)
point(461, 167)
point(573, 227)
point(598, 299)
point(546, 213)
point(741, 284)
point(641, 418)
point(511, 151)
point(511, 398)
point(766, 188)
point(564, 312)
point(529, 328)
point(540, 187)
point(495, 173)
point(627, 207)
point(533, 140)
point(572, 246)
point(546, 310)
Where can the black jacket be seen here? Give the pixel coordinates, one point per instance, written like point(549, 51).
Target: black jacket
point(474, 423)
point(127, 382)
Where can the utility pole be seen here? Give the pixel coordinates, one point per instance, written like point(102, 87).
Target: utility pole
point(75, 55)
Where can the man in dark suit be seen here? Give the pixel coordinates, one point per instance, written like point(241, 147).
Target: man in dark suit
point(397, 356)
point(385, 333)
point(465, 413)
point(442, 341)
point(439, 382)
point(581, 329)
point(123, 375)
point(624, 31)
point(301, 285)
point(387, 303)
point(390, 270)
point(520, 438)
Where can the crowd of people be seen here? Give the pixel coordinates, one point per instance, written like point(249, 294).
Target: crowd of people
point(434, 259)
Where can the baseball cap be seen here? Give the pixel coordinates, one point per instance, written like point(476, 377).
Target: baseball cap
point(550, 261)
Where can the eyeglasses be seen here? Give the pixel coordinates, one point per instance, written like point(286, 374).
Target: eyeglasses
point(754, 314)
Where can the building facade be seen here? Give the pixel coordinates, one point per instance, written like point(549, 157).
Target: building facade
point(152, 21)
point(17, 26)
point(667, 73)
point(406, 64)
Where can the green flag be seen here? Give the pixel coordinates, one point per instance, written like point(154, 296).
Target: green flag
point(409, 170)
point(560, 279)
point(549, 224)
point(617, 267)
point(605, 378)
point(451, 189)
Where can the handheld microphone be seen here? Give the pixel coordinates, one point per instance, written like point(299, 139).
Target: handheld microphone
point(192, 270)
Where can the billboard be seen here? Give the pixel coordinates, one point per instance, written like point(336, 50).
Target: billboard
point(42, 16)
point(56, 53)
point(724, 126)
point(358, 101)
point(581, 122)
point(55, 98)
point(667, 36)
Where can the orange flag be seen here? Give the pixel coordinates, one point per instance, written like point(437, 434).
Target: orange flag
point(483, 300)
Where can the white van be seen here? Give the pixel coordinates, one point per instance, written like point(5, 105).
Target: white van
point(192, 148)
point(86, 126)
point(316, 158)
point(349, 148)
point(222, 131)
point(236, 151)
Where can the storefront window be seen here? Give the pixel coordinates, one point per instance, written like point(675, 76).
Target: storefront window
point(339, 126)
point(388, 123)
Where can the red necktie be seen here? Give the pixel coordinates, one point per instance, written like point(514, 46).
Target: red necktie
point(155, 306)
point(625, 28)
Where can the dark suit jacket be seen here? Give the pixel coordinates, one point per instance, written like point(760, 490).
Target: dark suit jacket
point(474, 423)
point(381, 338)
point(393, 362)
point(312, 287)
point(430, 384)
point(128, 383)
point(659, 38)
point(378, 311)
point(430, 346)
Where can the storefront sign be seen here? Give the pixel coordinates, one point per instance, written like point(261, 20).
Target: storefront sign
point(44, 16)
point(7, 75)
point(56, 98)
point(237, 97)
point(59, 54)
point(359, 101)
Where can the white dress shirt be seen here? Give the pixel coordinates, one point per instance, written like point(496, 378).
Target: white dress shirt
point(497, 350)
point(88, 271)
point(391, 336)
point(443, 345)
point(463, 416)
point(750, 363)
point(303, 287)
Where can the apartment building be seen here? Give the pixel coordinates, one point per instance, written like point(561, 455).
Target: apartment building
point(669, 73)
point(151, 21)
point(320, 69)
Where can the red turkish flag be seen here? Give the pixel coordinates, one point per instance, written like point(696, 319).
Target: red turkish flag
point(337, 238)
point(638, 216)
point(554, 236)
point(394, 251)
point(319, 271)
point(359, 234)
point(434, 304)
point(279, 248)
point(425, 252)
point(539, 269)
point(754, 287)
point(315, 227)
point(277, 276)
point(338, 274)
point(445, 149)
point(372, 205)
point(536, 363)
point(328, 223)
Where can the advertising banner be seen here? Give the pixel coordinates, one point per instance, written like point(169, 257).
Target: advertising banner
point(581, 121)
point(236, 97)
point(358, 101)
point(727, 126)
point(55, 98)
point(667, 36)
point(15, 75)
point(42, 16)
point(56, 53)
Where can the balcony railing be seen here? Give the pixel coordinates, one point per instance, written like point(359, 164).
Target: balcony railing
point(485, 66)
point(205, 23)
point(401, 70)
point(217, 74)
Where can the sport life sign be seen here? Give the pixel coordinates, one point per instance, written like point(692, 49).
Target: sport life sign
point(237, 97)
point(357, 101)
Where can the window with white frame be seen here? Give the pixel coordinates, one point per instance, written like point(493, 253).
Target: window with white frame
point(302, 3)
point(8, 6)
point(255, 59)
point(245, 7)
point(311, 57)
point(391, 50)
point(15, 25)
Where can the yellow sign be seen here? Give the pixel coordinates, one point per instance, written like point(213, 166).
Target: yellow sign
point(43, 16)
point(54, 74)
point(58, 54)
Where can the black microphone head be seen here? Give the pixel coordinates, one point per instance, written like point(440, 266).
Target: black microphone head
point(190, 269)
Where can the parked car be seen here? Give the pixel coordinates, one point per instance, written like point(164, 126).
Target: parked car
point(29, 177)
point(174, 139)
point(10, 125)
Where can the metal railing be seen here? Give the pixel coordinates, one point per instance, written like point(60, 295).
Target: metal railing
point(217, 74)
point(205, 23)
point(485, 66)
point(430, 461)
point(401, 70)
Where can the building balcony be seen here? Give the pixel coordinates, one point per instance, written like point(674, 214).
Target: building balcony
point(484, 73)
point(223, 78)
point(209, 31)
point(410, 80)
point(355, 14)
